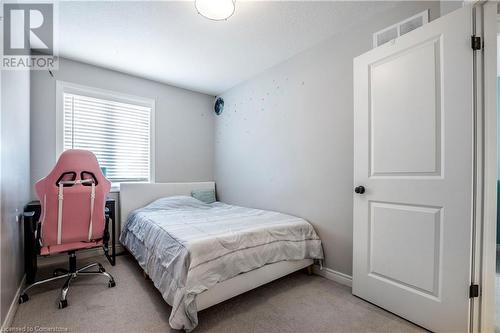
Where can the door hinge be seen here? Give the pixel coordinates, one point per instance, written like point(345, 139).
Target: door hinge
point(473, 290)
point(475, 42)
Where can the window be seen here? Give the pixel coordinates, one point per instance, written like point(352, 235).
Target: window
point(115, 127)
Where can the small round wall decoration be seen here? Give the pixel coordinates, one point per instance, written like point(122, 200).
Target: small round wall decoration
point(219, 105)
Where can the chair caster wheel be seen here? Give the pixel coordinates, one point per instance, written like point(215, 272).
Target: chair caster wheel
point(63, 304)
point(111, 284)
point(23, 298)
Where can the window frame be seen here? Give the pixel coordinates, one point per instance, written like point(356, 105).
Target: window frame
point(63, 87)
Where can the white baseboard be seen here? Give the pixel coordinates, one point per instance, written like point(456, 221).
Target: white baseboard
point(62, 258)
point(330, 274)
point(13, 307)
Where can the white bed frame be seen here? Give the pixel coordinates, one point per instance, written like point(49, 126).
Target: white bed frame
point(136, 195)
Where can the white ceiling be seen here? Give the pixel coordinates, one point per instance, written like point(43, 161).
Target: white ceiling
point(170, 43)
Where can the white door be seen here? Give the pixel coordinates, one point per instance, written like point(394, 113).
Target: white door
point(413, 138)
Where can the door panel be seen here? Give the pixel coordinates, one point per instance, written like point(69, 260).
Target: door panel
point(413, 80)
point(413, 152)
point(397, 233)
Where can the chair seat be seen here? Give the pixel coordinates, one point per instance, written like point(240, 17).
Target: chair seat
point(45, 250)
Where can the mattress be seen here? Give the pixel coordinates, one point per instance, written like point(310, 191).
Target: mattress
point(187, 246)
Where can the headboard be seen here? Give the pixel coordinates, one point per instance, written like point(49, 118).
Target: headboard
point(137, 195)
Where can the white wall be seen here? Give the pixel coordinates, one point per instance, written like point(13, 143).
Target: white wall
point(184, 121)
point(285, 139)
point(447, 6)
point(14, 180)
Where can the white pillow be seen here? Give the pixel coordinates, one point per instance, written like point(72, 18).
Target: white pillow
point(177, 202)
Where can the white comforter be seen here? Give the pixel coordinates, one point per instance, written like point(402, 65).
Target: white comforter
point(187, 246)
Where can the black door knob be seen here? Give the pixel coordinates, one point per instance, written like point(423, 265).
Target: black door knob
point(359, 189)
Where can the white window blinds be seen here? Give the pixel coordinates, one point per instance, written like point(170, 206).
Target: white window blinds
point(119, 134)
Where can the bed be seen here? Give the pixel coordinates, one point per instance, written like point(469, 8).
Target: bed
point(200, 254)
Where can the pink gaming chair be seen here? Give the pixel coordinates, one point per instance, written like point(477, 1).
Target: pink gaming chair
point(72, 198)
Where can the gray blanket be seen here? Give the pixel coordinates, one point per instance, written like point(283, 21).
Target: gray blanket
point(187, 246)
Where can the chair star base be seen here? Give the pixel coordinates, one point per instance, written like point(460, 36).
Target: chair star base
point(70, 274)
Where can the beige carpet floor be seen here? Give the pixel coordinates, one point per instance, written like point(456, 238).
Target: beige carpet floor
point(497, 295)
point(296, 303)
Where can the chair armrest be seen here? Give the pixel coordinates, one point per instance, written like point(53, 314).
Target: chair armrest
point(29, 214)
point(30, 225)
point(31, 244)
point(35, 234)
point(106, 227)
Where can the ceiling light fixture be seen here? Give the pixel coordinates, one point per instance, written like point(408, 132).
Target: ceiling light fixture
point(216, 10)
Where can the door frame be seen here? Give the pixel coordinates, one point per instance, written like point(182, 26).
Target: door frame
point(483, 308)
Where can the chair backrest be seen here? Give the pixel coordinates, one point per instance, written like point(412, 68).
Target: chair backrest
point(69, 213)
